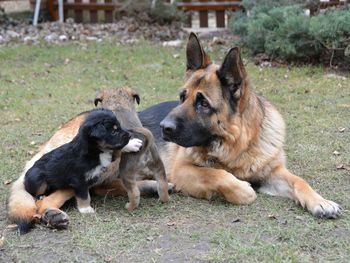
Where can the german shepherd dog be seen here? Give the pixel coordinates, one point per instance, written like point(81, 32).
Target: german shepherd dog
point(80, 163)
point(223, 137)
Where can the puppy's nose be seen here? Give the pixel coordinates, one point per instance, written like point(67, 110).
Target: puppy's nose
point(168, 126)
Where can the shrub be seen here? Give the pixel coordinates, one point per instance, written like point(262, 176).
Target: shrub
point(161, 12)
point(282, 30)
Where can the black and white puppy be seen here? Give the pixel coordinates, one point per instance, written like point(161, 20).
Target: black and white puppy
point(80, 163)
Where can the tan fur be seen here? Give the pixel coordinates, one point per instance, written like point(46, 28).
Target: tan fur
point(249, 145)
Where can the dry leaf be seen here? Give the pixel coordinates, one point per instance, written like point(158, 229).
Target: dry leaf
point(236, 220)
point(272, 216)
point(343, 167)
point(32, 142)
point(341, 129)
point(173, 223)
point(12, 226)
point(336, 153)
point(7, 182)
point(2, 240)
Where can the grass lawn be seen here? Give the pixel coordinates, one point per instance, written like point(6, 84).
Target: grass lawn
point(42, 87)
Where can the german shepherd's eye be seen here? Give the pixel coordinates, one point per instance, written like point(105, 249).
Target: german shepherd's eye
point(205, 103)
point(202, 104)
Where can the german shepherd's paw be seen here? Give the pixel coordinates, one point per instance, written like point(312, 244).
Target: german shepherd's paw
point(246, 193)
point(134, 145)
point(55, 218)
point(325, 209)
point(86, 210)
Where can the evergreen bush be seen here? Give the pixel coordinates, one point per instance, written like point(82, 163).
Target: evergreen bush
point(282, 29)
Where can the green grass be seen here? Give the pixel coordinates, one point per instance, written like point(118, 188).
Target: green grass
point(43, 86)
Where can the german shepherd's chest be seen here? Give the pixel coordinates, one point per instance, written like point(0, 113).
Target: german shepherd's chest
point(95, 175)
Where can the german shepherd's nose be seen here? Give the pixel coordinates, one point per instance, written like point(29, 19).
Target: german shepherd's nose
point(168, 127)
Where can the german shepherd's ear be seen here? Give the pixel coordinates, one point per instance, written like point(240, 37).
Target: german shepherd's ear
point(196, 57)
point(99, 98)
point(232, 73)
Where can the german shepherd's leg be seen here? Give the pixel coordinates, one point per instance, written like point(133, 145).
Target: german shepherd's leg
point(207, 181)
point(284, 183)
point(48, 208)
point(132, 191)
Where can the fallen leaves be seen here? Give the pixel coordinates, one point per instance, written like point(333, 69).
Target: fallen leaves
point(343, 167)
point(2, 241)
point(336, 153)
point(172, 223)
point(7, 182)
point(236, 220)
point(273, 217)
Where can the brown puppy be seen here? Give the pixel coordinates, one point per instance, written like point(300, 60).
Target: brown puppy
point(145, 163)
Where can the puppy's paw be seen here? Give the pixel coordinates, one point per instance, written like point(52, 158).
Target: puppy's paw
point(130, 206)
point(55, 218)
point(326, 209)
point(134, 145)
point(86, 210)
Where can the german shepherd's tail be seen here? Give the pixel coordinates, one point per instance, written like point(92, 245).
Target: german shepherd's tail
point(21, 207)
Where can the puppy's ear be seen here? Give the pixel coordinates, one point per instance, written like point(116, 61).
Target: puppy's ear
point(99, 98)
point(136, 98)
point(97, 130)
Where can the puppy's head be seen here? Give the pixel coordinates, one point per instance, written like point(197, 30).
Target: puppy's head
point(116, 99)
point(102, 129)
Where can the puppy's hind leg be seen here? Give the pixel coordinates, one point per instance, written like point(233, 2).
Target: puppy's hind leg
point(34, 182)
point(158, 170)
point(132, 191)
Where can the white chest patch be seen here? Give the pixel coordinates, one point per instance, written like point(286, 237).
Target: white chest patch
point(105, 161)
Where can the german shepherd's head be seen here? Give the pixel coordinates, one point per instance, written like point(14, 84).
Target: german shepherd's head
point(211, 100)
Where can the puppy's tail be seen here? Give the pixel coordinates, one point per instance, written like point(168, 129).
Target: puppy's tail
point(149, 139)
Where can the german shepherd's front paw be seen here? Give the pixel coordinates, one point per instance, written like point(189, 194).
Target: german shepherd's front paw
point(55, 218)
point(86, 210)
point(325, 209)
point(134, 145)
point(247, 194)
